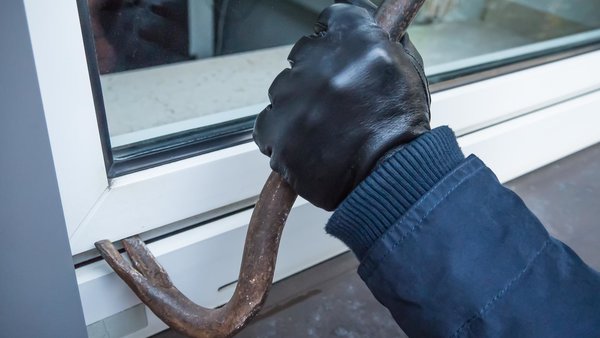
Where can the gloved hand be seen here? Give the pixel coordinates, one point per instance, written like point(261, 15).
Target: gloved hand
point(350, 96)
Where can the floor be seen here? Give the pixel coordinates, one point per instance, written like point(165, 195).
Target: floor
point(329, 300)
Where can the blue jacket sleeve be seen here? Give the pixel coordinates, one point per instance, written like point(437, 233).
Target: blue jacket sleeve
point(452, 253)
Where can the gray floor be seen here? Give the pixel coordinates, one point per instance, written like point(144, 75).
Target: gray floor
point(329, 300)
point(566, 198)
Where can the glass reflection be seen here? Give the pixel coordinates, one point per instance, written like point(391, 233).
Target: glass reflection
point(172, 65)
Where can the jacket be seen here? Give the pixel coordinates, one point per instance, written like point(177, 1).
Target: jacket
point(453, 253)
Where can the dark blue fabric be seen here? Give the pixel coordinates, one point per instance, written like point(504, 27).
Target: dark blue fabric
point(393, 187)
point(468, 259)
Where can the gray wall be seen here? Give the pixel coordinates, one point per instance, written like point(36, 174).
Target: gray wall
point(38, 291)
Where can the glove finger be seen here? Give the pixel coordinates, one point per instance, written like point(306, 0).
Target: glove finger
point(411, 49)
point(342, 16)
point(266, 137)
point(414, 56)
point(278, 85)
point(303, 47)
point(417, 61)
point(261, 134)
point(366, 4)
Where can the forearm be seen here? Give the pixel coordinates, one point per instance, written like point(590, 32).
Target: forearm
point(451, 252)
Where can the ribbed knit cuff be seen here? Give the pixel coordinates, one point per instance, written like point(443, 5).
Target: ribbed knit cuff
point(393, 187)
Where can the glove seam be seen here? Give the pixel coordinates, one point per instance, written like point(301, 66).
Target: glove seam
point(424, 82)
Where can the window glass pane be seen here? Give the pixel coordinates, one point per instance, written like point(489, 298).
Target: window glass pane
point(168, 66)
point(458, 34)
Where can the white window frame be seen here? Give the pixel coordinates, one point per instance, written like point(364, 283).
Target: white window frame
point(524, 112)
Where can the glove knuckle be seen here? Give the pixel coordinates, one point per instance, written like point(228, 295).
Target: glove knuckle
point(344, 16)
point(301, 48)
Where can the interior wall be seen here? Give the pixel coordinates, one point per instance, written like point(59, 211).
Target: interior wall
point(37, 281)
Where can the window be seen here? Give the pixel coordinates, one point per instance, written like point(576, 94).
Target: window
point(178, 78)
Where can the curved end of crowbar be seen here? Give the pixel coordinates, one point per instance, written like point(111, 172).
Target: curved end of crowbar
point(150, 282)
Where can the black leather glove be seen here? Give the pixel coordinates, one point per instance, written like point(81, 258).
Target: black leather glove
point(350, 96)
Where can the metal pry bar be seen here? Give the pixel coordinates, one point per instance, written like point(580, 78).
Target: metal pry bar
point(396, 16)
point(152, 285)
